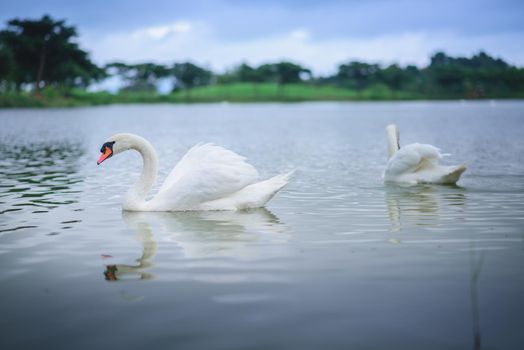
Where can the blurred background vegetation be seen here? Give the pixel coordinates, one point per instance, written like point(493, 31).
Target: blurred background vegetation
point(42, 65)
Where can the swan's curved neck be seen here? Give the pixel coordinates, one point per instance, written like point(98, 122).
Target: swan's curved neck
point(136, 196)
point(393, 140)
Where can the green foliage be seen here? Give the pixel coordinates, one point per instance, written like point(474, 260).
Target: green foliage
point(286, 72)
point(44, 53)
point(189, 75)
point(7, 67)
point(144, 77)
point(246, 73)
point(480, 76)
point(281, 72)
point(357, 75)
point(397, 78)
point(477, 77)
point(242, 73)
point(139, 77)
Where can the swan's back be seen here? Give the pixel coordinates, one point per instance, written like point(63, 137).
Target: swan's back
point(419, 163)
point(411, 158)
point(207, 172)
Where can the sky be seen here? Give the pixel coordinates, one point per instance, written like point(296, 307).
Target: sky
point(320, 35)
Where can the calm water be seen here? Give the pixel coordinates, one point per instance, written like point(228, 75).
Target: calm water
point(337, 260)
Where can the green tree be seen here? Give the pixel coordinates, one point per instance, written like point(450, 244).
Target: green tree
point(393, 76)
point(243, 73)
point(139, 77)
point(282, 72)
point(45, 54)
point(189, 75)
point(246, 73)
point(289, 73)
point(398, 79)
point(7, 67)
point(446, 75)
point(356, 74)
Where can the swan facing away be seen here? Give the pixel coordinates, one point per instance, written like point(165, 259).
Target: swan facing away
point(417, 163)
point(208, 177)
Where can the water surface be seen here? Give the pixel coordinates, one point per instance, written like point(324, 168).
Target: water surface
point(336, 260)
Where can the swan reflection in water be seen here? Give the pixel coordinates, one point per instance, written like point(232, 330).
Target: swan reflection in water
point(211, 234)
point(423, 205)
point(144, 235)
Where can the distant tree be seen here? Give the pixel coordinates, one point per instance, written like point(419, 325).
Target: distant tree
point(288, 72)
point(445, 74)
point(246, 73)
point(357, 74)
point(189, 75)
point(118, 68)
point(7, 67)
point(268, 72)
point(139, 77)
point(393, 76)
point(488, 76)
point(398, 78)
point(413, 76)
point(45, 54)
point(281, 72)
point(243, 73)
point(478, 76)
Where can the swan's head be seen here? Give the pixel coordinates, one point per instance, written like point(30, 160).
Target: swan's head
point(115, 144)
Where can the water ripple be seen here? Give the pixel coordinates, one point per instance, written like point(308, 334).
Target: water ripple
point(50, 170)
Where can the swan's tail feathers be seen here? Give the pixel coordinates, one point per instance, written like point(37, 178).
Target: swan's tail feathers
point(455, 174)
point(276, 183)
point(282, 179)
point(258, 194)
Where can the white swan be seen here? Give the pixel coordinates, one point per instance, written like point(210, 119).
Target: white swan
point(417, 163)
point(208, 177)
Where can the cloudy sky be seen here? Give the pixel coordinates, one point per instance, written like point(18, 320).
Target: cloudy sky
point(317, 34)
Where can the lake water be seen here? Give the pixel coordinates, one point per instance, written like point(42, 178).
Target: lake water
point(338, 260)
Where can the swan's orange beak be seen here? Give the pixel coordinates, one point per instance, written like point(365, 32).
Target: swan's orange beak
point(106, 154)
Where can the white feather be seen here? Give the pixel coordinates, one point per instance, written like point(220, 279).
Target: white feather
point(206, 173)
point(418, 163)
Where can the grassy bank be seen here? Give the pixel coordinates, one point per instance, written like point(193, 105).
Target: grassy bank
point(238, 92)
point(267, 92)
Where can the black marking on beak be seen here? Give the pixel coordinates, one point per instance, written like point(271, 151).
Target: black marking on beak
point(108, 145)
point(107, 152)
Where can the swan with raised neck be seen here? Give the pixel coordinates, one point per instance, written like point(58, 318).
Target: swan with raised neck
point(208, 177)
point(135, 198)
point(417, 163)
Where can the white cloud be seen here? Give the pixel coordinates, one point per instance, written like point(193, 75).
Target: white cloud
point(300, 34)
point(184, 40)
point(160, 32)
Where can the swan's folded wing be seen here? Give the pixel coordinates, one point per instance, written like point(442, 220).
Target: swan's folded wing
point(207, 172)
point(411, 157)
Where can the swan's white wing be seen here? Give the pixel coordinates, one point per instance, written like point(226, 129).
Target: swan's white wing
point(207, 172)
point(411, 158)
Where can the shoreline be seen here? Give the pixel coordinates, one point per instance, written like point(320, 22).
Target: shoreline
point(233, 93)
point(72, 106)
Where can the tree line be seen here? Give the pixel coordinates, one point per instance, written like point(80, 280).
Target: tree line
point(43, 53)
